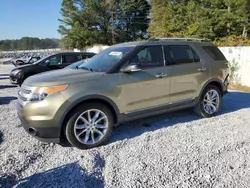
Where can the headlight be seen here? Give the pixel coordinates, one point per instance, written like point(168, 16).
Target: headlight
point(15, 72)
point(40, 93)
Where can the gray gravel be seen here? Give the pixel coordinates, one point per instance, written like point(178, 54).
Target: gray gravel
point(172, 150)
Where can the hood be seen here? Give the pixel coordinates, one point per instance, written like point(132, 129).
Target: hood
point(62, 76)
point(22, 66)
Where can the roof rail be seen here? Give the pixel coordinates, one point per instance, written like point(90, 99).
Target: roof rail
point(180, 39)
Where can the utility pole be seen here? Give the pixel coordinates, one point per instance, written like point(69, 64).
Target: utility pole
point(229, 24)
point(112, 28)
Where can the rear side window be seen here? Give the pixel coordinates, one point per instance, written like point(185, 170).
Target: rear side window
point(86, 56)
point(71, 58)
point(180, 54)
point(214, 52)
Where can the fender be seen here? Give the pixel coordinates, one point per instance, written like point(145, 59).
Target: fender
point(91, 97)
point(218, 83)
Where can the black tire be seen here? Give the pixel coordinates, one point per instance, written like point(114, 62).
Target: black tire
point(69, 129)
point(199, 108)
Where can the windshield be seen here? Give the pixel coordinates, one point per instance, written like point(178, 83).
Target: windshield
point(40, 60)
point(105, 60)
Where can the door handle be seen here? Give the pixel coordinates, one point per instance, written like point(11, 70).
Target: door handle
point(160, 75)
point(202, 69)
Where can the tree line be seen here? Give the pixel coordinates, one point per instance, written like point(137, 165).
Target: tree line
point(211, 19)
point(29, 43)
point(88, 22)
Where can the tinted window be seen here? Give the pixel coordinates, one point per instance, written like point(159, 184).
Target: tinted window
point(71, 58)
point(55, 60)
point(195, 56)
point(181, 54)
point(214, 52)
point(168, 56)
point(149, 57)
point(86, 56)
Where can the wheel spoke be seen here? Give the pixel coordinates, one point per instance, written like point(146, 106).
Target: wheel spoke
point(98, 132)
point(89, 116)
point(84, 120)
point(81, 126)
point(207, 108)
point(93, 137)
point(205, 100)
point(213, 95)
point(100, 126)
point(95, 116)
point(208, 96)
point(79, 134)
point(98, 120)
point(215, 103)
point(86, 138)
point(214, 108)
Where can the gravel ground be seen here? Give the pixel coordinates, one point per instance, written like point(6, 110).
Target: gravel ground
point(172, 150)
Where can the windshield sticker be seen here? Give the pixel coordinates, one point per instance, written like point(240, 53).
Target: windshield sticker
point(115, 53)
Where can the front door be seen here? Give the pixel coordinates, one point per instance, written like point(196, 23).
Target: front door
point(148, 88)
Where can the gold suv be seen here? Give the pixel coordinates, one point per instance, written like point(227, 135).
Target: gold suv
point(124, 82)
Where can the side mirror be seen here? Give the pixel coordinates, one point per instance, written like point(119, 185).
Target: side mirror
point(47, 63)
point(130, 68)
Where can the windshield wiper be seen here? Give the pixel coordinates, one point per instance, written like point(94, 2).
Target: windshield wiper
point(85, 68)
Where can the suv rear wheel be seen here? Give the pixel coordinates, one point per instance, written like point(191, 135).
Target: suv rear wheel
point(209, 102)
point(90, 125)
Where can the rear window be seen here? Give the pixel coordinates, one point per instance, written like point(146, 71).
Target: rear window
point(214, 52)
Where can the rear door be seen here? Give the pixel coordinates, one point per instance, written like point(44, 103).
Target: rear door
point(68, 59)
point(187, 71)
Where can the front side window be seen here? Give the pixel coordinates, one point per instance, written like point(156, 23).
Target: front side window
point(107, 59)
point(55, 60)
point(149, 57)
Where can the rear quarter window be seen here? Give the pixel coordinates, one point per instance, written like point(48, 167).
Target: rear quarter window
point(214, 52)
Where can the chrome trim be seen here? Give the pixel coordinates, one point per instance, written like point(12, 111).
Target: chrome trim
point(158, 106)
point(164, 57)
point(24, 94)
point(181, 101)
point(148, 108)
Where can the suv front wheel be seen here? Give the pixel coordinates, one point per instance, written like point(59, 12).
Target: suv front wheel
point(209, 102)
point(90, 125)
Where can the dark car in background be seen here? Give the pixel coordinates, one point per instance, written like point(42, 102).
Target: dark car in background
point(25, 60)
point(52, 62)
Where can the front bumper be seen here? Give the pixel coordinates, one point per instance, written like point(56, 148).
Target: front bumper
point(43, 134)
point(42, 119)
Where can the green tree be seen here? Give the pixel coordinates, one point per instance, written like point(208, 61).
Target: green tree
point(211, 19)
point(89, 22)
